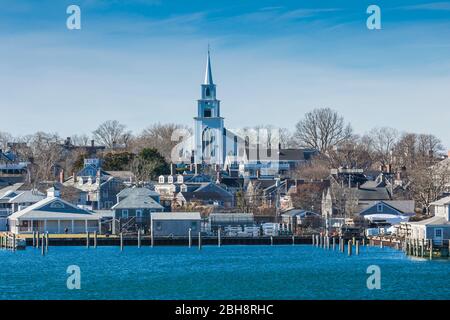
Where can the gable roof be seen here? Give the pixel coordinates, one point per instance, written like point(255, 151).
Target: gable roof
point(373, 194)
point(138, 200)
point(53, 208)
point(138, 191)
point(436, 220)
point(28, 196)
point(441, 202)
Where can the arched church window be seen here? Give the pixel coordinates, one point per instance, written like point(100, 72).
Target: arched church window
point(207, 92)
point(207, 113)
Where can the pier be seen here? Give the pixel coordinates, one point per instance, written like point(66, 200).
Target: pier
point(146, 240)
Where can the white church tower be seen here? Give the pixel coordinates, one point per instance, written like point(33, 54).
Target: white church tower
point(209, 127)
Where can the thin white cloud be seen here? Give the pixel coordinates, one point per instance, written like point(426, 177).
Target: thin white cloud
point(433, 6)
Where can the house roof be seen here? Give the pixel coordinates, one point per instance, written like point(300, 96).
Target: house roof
point(176, 216)
point(52, 208)
point(202, 196)
point(404, 206)
point(13, 187)
point(140, 199)
point(138, 191)
point(436, 220)
point(373, 194)
point(122, 175)
point(28, 196)
point(441, 202)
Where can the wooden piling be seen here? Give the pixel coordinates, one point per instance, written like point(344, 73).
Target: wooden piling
point(47, 237)
point(421, 248)
point(87, 240)
point(14, 242)
point(43, 245)
point(313, 238)
point(152, 239)
point(381, 243)
point(364, 242)
point(293, 240)
point(190, 237)
point(219, 238)
point(271, 240)
point(357, 247)
point(34, 239)
point(199, 241)
point(139, 238)
point(95, 239)
point(37, 239)
point(121, 241)
point(334, 243)
point(349, 247)
point(431, 248)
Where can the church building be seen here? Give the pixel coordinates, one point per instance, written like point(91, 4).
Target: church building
point(212, 141)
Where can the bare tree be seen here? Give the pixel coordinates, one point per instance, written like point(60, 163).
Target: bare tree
point(5, 137)
point(81, 140)
point(428, 183)
point(417, 150)
point(355, 152)
point(112, 133)
point(159, 136)
point(322, 129)
point(44, 154)
point(383, 141)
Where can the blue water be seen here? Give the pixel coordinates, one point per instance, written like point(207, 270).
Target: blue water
point(228, 272)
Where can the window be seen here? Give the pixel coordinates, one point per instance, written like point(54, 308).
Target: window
point(193, 225)
point(180, 179)
point(170, 179)
point(139, 213)
point(161, 179)
point(57, 205)
point(124, 213)
point(380, 207)
point(158, 226)
point(207, 92)
point(207, 113)
point(438, 233)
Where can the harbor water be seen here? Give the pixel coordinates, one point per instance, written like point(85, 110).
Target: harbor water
point(227, 272)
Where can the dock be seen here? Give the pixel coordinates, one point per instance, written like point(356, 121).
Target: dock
point(11, 241)
point(142, 241)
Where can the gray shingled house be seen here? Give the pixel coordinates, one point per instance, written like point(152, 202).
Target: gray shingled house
point(134, 208)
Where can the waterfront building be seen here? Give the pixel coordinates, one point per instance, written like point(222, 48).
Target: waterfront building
point(175, 223)
point(436, 228)
point(223, 220)
point(133, 209)
point(54, 215)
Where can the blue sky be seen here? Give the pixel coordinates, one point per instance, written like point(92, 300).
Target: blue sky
point(142, 62)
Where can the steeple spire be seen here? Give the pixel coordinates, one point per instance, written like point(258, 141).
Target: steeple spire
point(208, 72)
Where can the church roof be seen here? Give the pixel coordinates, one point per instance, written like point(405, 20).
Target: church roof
point(208, 72)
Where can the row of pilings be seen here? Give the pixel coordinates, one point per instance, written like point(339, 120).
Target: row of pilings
point(339, 243)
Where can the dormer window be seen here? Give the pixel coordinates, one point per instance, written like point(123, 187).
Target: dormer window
point(161, 179)
point(170, 179)
point(180, 179)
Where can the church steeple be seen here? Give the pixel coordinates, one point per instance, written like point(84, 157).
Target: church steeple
point(208, 72)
